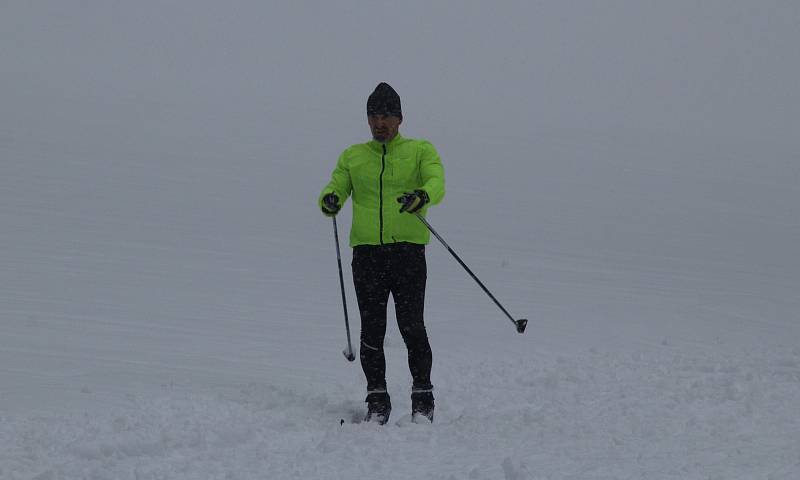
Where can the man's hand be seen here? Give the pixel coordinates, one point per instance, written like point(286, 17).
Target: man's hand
point(413, 201)
point(330, 205)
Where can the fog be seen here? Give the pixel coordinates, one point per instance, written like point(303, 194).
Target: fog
point(722, 68)
point(623, 174)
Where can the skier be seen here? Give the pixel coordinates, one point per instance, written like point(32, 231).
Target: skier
point(389, 244)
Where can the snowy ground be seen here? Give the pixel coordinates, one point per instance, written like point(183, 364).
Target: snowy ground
point(660, 415)
point(169, 303)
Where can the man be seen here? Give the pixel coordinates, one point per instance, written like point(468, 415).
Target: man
point(389, 244)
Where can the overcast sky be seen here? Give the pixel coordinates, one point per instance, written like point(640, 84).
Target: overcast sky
point(715, 67)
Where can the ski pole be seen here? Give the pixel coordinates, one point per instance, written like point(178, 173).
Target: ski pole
point(347, 352)
point(519, 324)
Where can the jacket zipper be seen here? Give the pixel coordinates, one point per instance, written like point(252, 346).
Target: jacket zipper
point(383, 168)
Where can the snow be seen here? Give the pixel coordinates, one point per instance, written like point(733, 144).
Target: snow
point(656, 415)
point(169, 300)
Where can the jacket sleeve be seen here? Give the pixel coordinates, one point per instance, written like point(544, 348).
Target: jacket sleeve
point(432, 173)
point(340, 182)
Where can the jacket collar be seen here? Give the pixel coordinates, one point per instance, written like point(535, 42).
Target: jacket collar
point(378, 145)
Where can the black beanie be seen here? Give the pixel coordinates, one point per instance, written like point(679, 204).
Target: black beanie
point(384, 101)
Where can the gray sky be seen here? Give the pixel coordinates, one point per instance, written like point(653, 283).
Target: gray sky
point(719, 68)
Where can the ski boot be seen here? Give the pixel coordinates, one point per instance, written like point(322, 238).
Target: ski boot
point(379, 407)
point(422, 406)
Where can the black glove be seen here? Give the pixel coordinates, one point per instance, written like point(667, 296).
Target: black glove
point(412, 202)
point(330, 205)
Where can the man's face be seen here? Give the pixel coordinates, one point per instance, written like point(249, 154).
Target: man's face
point(384, 127)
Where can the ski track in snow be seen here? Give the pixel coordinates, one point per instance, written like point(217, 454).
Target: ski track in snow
point(649, 414)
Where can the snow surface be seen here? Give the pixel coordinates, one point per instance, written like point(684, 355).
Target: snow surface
point(169, 303)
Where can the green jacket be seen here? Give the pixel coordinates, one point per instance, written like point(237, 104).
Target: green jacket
point(375, 175)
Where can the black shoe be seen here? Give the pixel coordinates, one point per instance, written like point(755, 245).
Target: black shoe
point(422, 405)
point(379, 407)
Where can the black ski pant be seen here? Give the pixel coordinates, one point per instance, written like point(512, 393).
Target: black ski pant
point(399, 269)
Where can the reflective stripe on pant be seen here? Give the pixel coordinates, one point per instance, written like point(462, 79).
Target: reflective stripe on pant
point(398, 269)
